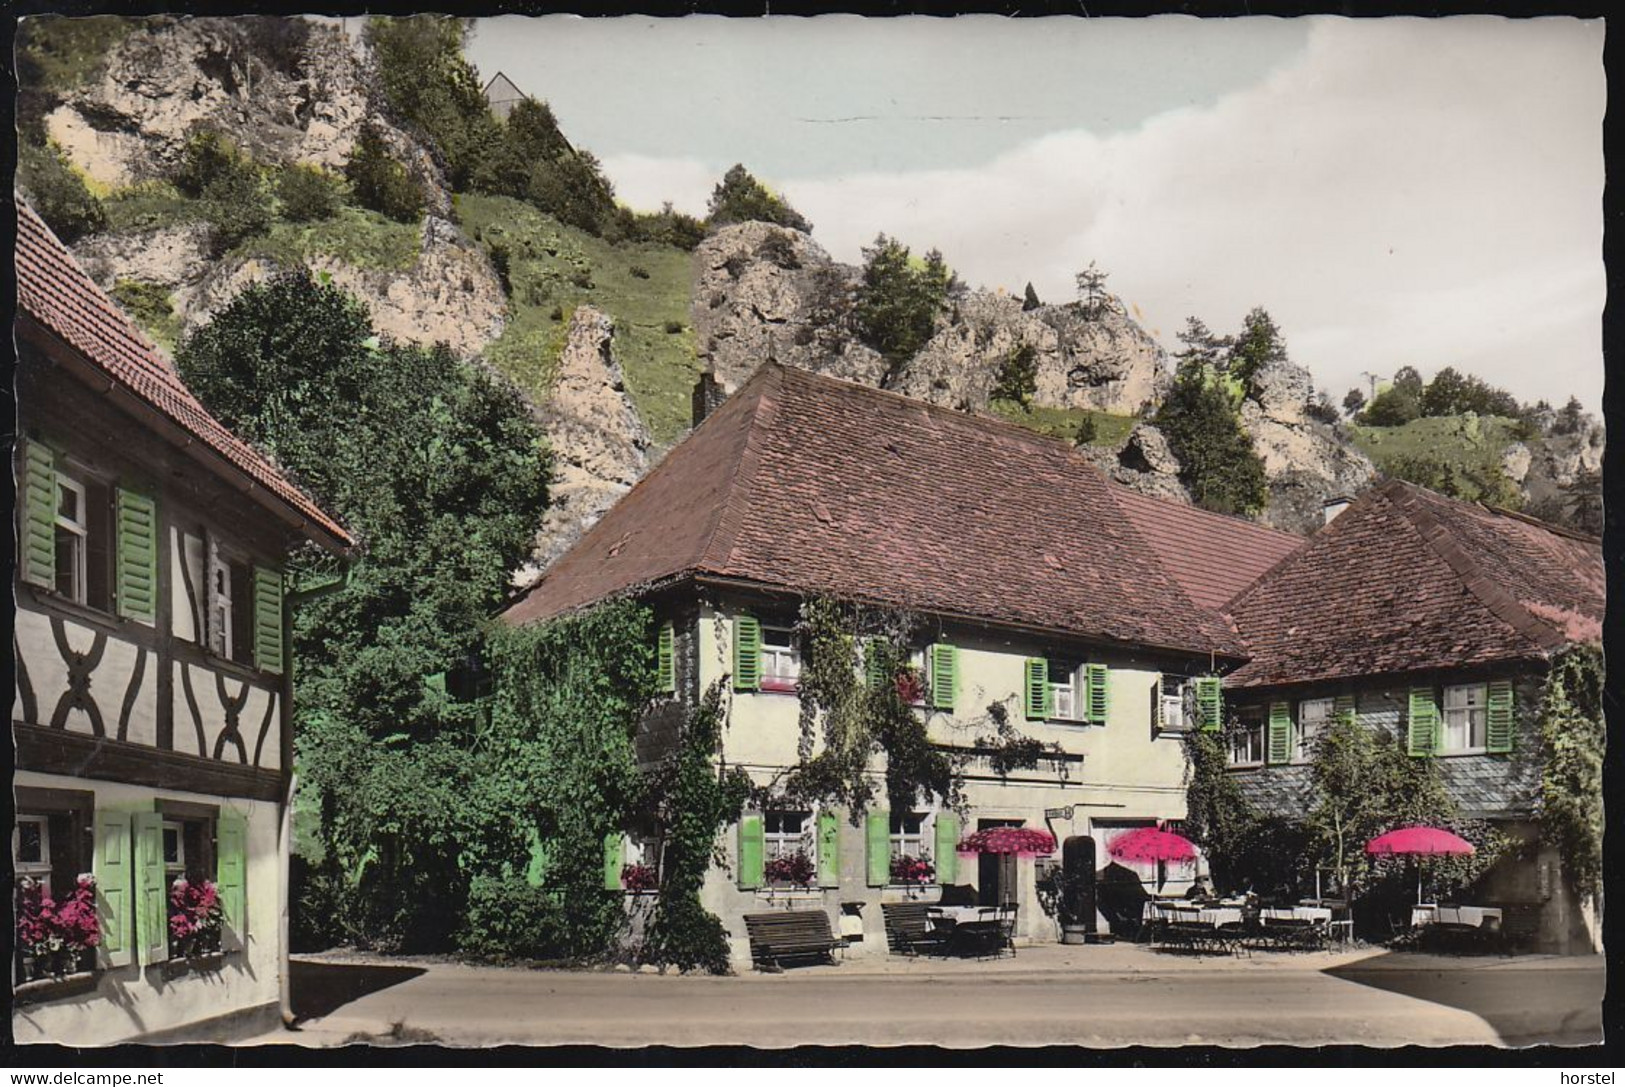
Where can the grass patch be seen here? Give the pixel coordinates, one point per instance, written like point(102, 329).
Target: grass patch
point(1063, 423)
point(554, 268)
point(64, 52)
point(150, 306)
point(151, 205)
point(359, 238)
point(1457, 454)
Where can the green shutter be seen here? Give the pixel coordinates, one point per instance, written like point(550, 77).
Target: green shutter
point(1422, 724)
point(1501, 724)
point(614, 860)
point(112, 868)
point(1097, 693)
point(137, 556)
point(877, 848)
point(947, 851)
point(873, 674)
point(747, 653)
point(1209, 703)
point(829, 849)
point(1038, 694)
point(666, 658)
point(752, 846)
point(39, 516)
point(268, 619)
point(1343, 709)
point(151, 893)
point(944, 675)
point(231, 876)
point(1278, 744)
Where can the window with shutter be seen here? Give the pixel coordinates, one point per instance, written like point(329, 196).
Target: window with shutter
point(747, 653)
point(944, 675)
point(947, 848)
point(137, 556)
point(151, 888)
point(113, 870)
point(1501, 729)
point(1037, 701)
point(1278, 748)
point(268, 620)
point(752, 850)
point(231, 878)
point(877, 848)
point(829, 849)
point(1097, 687)
point(39, 515)
point(1422, 723)
point(614, 860)
point(1209, 703)
point(666, 659)
point(874, 666)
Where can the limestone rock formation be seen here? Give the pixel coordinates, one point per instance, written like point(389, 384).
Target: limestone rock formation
point(600, 445)
point(1143, 463)
point(1305, 461)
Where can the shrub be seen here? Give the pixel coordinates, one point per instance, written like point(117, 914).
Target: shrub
point(582, 277)
point(501, 261)
point(237, 206)
point(1088, 431)
point(780, 250)
point(638, 271)
point(508, 920)
point(572, 188)
point(1321, 409)
point(58, 193)
point(206, 157)
point(307, 194)
point(669, 227)
point(379, 182)
point(673, 327)
point(557, 314)
point(1394, 406)
point(1216, 457)
point(1018, 377)
point(740, 198)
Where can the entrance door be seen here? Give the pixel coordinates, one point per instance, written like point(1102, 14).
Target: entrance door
point(996, 873)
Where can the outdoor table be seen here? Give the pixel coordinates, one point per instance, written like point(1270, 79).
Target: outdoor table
point(966, 926)
point(1423, 915)
point(1468, 916)
point(1296, 913)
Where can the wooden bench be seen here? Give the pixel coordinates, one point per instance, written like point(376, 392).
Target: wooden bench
point(789, 934)
point(907, 930)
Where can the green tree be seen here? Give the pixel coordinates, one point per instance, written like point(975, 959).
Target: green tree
point(740, 198)
point(1029, 299)
point(1259, 344)
point(1583, 497)
point(440, 469)
point(378, 181)
point(1394, 406)
point(1217, 460)
point(1093, 298)
point(1574, 739)
point(1571, 419)
point(307, 194)
point(1353, 401)
point(60, 196)
point(572, 188)
point(899, 299)
point(1017, 380)
point(1453, 393)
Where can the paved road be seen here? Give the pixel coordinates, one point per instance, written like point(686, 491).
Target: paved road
point(1382, 1001)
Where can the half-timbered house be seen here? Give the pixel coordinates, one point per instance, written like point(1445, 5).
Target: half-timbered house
point(151, 713)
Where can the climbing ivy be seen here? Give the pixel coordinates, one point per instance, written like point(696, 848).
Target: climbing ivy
point(693, 798)
point(1573, 737)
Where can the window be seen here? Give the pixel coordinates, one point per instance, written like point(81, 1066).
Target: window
point(781, 659)
point(786, 832)
point(1247, 741)
point(31, 846)
point(1465, 718)
point(908, 834)
point(189, 856)
point(1314, 714)
point(1173, 712)
point(231, 596)
point(1063, 687)
point(83, 541)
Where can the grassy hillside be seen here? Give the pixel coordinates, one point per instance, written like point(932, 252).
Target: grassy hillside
point(1465, 448)
point(553, 268)
point(1063, 423)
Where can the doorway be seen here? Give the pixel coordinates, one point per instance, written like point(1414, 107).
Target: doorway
point(996, 873)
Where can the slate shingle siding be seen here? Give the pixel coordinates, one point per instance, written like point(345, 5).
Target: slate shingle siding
point(1483, 786)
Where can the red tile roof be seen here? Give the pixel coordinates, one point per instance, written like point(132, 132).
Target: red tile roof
point(1407, 580)
point(805, 484)
point(1212, 556)
point(56, 292)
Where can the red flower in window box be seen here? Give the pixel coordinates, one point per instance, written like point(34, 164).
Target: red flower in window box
point(196, 918)
point(795, 869)
point(906, 869)
point(56, 935)
point(910, 687)
point(639, 877)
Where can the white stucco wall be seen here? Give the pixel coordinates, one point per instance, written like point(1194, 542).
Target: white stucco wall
point(135, 1000)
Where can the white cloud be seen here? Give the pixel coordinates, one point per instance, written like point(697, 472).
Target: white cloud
point(1422, 192)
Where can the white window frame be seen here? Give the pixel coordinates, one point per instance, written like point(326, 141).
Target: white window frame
point(1254, 736)
point(219, 601)
point(79, 528)
point(41, 867)
point(781, 664)
point(1308, 723)
point(898, 841)
point(1461, 719)
point(780, 843)
point(1173, 715)
point(178, 866)
point(1064, 691)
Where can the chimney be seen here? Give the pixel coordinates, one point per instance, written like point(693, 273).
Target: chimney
point(1330, 508)
point(708, 396)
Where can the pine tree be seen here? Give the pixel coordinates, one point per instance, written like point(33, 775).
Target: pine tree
point(1029, 301)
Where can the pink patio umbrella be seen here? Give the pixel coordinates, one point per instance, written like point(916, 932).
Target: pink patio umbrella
point(1152, 844)
point(1008, 840)
point(1418, 842)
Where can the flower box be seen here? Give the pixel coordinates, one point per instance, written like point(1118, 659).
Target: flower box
point(57, 937)
point(54, 988)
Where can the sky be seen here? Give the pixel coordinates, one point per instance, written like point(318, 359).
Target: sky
point(1393, 191)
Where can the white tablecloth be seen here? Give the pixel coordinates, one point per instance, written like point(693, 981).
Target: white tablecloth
point(954, 915)
point(1296, 913)
point(1206, 915)
point(1473, 916)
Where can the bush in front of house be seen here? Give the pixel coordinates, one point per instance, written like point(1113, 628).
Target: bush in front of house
point(508, 920)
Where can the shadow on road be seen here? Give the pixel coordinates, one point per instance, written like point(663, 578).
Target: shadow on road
point(1529, 1003)
point(321, 988)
